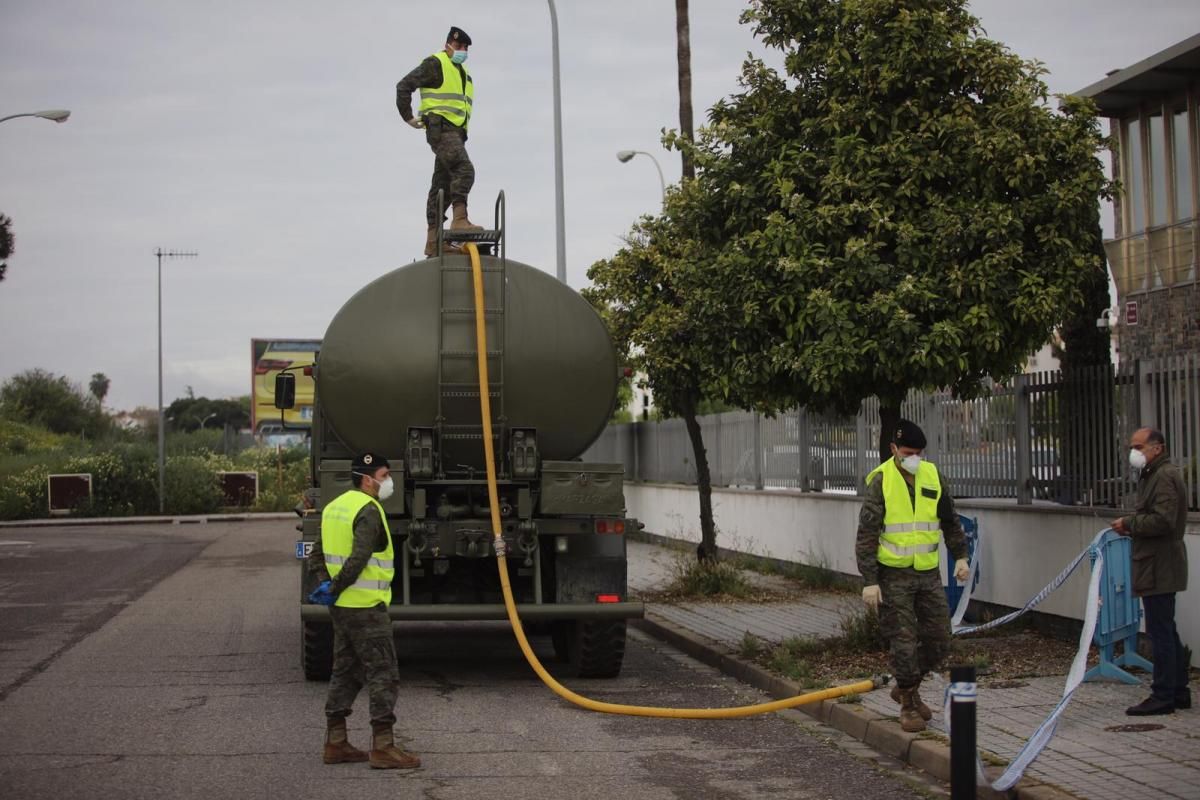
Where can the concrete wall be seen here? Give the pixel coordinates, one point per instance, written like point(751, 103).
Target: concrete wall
point(1023, 547)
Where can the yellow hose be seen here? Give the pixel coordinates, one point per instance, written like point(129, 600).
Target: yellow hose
point(485, 408)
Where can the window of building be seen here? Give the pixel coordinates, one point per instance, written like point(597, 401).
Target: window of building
point(1158, 171)
point(1183, 166)
point(1133, 197)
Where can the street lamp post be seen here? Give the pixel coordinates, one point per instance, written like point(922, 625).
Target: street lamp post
point(162, 438)
point(559, 214)
point(55, 115)
point(625, 156)
point(206, 419)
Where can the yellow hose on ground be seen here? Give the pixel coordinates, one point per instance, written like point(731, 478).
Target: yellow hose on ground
point(485, 408)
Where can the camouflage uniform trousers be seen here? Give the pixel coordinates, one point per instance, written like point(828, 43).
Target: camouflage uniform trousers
point(914, 619)
point(364, 654)
point(453, 172)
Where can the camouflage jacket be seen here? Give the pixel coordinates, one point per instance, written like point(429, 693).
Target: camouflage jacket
point(1159, 558)
point(427, 75)
point(369, 537)
point(870, 526)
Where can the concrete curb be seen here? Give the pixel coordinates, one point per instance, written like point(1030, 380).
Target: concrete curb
point(198, 519)
point(882, 734)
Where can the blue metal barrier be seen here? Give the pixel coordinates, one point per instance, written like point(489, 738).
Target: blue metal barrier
point(1120, 612)
point(970, 526)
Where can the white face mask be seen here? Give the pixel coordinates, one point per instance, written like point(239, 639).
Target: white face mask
point(386, 487)
point(911, 463)
point(1137, 459)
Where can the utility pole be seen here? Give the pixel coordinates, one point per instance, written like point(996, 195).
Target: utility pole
point(559, 214)
point(162, 439)
point(683, 49)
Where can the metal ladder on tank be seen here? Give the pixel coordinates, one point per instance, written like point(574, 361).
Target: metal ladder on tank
point(451, 359)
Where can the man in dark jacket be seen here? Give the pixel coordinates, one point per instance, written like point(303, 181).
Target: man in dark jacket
point(1159, 567)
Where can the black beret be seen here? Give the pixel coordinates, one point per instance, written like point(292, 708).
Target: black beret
point(909, 435)
point(458, 35)
point(367, 463)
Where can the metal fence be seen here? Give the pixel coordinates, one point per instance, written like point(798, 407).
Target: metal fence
point(1042, 436)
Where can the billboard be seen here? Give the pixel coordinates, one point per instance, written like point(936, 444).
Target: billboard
point(267, 358)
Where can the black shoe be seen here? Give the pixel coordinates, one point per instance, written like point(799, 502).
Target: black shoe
point(1150, 707)
point(1183, 701)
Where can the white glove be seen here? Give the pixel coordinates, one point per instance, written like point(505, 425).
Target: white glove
point(872, 597)
point(416, 122)
point(962, 570)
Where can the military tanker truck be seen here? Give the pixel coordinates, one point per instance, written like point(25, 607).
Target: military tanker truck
point(397, 374)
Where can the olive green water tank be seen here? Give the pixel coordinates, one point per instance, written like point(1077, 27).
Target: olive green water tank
point(553, 365)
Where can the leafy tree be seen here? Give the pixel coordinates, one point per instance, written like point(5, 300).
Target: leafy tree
point(921, 214)
point(6, 243)
point(675, 305)
point(41, 398)
point(99, 387)
point(190, 413)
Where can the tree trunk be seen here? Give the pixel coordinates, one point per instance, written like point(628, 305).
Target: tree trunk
point(708, 529)
point(684, 51)
point(889, 418)
point(1087, 443)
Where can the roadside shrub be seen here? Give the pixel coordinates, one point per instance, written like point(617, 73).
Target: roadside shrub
point(860, 631)
point(23, 494)
point(693, 578)
point(190, 486)
point(124, 480)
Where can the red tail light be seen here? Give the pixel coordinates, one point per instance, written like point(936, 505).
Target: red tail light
point(608, 598)
point(610, 526)
point(308, 371)
point(266, 365)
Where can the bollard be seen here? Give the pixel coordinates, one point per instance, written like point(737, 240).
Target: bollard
point(962, 733)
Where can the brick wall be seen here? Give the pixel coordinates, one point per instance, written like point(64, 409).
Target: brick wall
point(1168, 323)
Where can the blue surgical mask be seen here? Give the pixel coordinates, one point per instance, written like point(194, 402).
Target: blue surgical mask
point(458, 56)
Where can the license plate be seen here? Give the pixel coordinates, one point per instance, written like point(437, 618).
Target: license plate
point(305, 412)
point(303, 549)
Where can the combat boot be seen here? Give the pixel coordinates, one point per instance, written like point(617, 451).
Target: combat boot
point(910, 717)
point(460, 221)
point(385, 754)
point(448, 248)
point(338, 749)
point(922, 709)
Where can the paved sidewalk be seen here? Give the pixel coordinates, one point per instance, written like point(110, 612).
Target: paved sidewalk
point(1083, 760)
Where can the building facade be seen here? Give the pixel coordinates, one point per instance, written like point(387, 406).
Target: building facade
point(1153, 108)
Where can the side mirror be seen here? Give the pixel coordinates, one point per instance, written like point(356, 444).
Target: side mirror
point(285, 390)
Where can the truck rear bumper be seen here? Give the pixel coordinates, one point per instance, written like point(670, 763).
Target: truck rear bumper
point(531, 613)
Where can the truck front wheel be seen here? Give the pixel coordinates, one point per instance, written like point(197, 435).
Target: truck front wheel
point(316, 652)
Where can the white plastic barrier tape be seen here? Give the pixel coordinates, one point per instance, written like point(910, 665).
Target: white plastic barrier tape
point(1041, 737)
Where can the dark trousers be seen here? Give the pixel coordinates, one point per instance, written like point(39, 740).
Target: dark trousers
point(453, 172)
point(1170, 661)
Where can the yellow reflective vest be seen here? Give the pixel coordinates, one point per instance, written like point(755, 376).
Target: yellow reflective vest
point(374, 583)
point(451, 101)
point(910, 535)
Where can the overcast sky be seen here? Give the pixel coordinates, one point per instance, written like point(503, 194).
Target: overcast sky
point(264, 136)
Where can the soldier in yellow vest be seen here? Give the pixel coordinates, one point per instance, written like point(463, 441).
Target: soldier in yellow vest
point(905, 512)
point(355, 559)
point(447, 95)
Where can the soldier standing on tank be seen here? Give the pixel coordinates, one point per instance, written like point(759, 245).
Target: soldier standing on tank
point(897, 550)
point(447, 94)
point(355, 562)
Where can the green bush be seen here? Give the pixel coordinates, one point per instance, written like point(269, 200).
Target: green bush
point(694, 578)
point(23, 494)
point(860, 631)
point(124, 480)
point(190, 486)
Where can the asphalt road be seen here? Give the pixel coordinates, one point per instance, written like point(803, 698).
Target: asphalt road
point(160, 661)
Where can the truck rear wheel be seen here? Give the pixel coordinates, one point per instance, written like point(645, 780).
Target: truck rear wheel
point(316, 651)
point(595, 649)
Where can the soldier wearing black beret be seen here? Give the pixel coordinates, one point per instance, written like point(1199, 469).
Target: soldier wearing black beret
point(355, 561)
point(906, 505)
point(447, 98)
